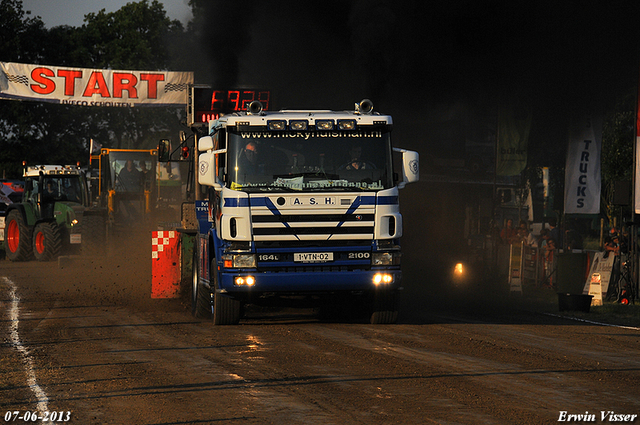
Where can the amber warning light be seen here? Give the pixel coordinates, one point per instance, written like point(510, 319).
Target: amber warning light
point(208, 103)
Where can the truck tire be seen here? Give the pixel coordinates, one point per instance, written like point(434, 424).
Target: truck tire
point(17, 238)
point(94, 235)
point(47, 241)
point(226, 310)
point(384, 308)
point(200, 296)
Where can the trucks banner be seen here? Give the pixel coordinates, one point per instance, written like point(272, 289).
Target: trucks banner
point(93, 87)
point(636, 171)
point(582, 170)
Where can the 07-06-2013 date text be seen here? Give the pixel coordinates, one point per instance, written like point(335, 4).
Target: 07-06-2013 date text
point(16, 415)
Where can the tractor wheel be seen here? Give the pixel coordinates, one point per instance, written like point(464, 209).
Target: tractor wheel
point(17, 238)
point(47, 241)
point(94, 235)
point(226, 310)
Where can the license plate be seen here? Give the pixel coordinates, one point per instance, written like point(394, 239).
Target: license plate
point(313, 257)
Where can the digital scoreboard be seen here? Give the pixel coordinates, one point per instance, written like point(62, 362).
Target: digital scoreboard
point(206, 104)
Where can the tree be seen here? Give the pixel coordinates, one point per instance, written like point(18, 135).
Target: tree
point(139, 36)
point(19, 36)
point(617, 150)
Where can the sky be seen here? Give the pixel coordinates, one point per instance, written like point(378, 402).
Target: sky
point(71, 12)
point(417, 60)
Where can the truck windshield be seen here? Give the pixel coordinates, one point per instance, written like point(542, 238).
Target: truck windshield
point(314, 160)
point(59, 188)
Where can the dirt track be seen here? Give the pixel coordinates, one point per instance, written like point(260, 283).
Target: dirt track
point(100, 348)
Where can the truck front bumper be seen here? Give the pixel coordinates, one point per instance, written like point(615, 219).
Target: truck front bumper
point(304, 282)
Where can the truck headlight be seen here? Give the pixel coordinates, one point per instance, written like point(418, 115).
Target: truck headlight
point(382, 279)
point(244, 281)
point(243, 261)
point(385, 259)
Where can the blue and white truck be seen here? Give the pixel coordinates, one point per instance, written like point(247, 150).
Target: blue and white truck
point(300, 205)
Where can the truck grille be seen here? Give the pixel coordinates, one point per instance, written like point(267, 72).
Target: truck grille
point(317, 226)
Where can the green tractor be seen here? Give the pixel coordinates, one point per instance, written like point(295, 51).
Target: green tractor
point(54, 217)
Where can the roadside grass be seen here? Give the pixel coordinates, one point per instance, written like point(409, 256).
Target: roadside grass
point(545, 300)
point(610, 313)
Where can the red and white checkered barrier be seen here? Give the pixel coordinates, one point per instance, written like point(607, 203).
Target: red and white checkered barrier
point(161, 240)
point(165, 267)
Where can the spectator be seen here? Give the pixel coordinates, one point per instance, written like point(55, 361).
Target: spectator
point(508, 233)
point(555, 233)
point(525, 235)
point(610, 246)
point(550, 248)
point(548, 254)
point(542, 239)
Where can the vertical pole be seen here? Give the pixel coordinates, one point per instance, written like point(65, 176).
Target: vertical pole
point(196, 186)
point(495, 247)
point(633, 232)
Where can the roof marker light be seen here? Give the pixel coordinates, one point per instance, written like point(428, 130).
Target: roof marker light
point(324, 124)
point(298, 125)
point(277, 125)
point(347, 124)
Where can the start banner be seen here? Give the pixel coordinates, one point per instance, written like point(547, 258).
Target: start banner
point(93, 87)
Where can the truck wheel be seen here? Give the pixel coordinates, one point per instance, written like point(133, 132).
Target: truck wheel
point(200, 296)
point(94, 234)
point(18, 238)
point(47, 241)
point(226, 310)
point(384, 308)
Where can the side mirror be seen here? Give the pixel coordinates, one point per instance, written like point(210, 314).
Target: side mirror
point(205, 144)
point(164, 150)
point(410, 167)
point(206, 170)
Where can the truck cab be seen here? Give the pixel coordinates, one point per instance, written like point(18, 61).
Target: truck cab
point(300, 204)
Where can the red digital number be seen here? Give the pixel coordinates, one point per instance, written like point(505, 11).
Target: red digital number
point(207, 117)
point(248, 96)
point(233, 99)
point(217, 101)
point(263, 97)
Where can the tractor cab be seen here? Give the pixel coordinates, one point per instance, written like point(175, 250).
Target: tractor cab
point(53, 215)
point(124, 182)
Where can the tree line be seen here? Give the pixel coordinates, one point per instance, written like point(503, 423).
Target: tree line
point(139, 36)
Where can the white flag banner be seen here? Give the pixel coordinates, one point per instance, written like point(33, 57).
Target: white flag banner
point(636, 196)
point(93, 87)
point(5, 191)
point(582, 171)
